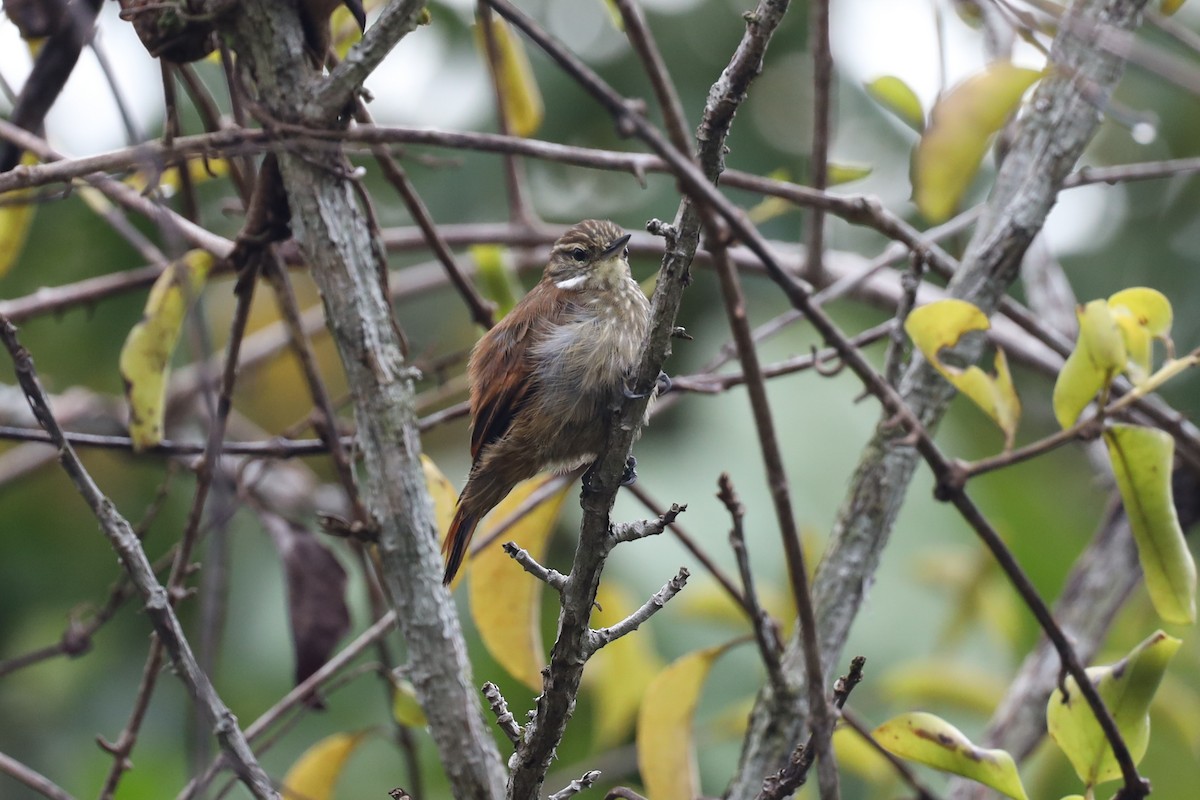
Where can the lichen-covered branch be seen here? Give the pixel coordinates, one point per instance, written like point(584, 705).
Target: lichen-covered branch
point(347, 262)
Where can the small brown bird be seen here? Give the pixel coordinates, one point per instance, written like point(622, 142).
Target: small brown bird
point(543, 378)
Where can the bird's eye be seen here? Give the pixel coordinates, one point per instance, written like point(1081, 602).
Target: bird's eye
point(579, 254)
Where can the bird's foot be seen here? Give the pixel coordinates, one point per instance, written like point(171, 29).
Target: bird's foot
point(629, 476)
point(662, 385)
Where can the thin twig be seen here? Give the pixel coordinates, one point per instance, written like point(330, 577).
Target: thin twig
point(552, 578)
point(576, 786)
point(818, 164)
point(793, 775)
point(602, 636)
point(766, 632)
point(32, 778)
point(504, 718)
point(689, 542)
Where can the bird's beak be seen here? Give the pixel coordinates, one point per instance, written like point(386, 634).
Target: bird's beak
point(616, 246)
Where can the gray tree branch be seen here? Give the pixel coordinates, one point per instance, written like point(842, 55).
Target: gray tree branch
point(347, 262)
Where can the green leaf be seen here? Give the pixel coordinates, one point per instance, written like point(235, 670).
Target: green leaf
point(1099, 355)
point(1126, 689)
point(929, 739)
point(1141, 459)
point(896, 96)
point(938, 325)
point(960, 126)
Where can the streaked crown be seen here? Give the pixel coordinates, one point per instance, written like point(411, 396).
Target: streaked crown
point(583, 247)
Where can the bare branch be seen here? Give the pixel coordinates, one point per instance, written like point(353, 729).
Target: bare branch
point(766, 632)
point(552, 578)
point(504, 718)
point(602, 636)
point(585, 781)
point(32, 778)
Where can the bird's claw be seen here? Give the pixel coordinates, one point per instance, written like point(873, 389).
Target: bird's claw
point(629, 476)
point(662, 385)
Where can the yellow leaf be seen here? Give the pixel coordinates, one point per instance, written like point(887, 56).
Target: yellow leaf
point(896, 96)
point(1143, 315)
point(960, 126)
point(1126, 688)
point(665, 742)
point(497, 281)
point(16, 217)
point(315, 773)
point(618, 674)
point(505, 602)
point(929, 739)
point(443, 494)
point(145, 360)
point(1142, 460)
point(929, 681)
point(521, 98)
point(941, 324)
point(169, 181)
point(1099, 356)
point(406, 709)
point(1169, 7)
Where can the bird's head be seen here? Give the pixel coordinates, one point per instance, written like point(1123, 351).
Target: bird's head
point(590, 255)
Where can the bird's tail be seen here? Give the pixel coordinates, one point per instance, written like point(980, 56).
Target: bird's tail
point(455, 546)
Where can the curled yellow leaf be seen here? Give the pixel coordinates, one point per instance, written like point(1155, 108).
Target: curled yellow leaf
point(941, 324)
point(960, 126)
point(145, 360)
point(505, 602)
point(1142, 315)
point(1098, 357)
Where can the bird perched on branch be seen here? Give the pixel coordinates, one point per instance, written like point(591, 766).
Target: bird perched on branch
point(543, 379)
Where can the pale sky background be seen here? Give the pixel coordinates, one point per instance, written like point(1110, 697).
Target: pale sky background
point(870, 38)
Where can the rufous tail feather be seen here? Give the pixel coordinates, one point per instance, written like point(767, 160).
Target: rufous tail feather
point(455, 546)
